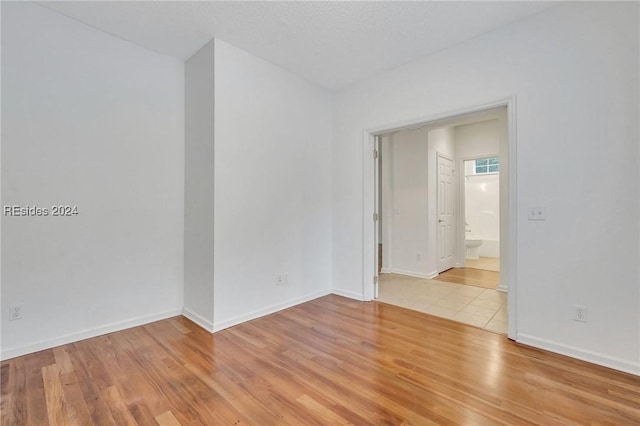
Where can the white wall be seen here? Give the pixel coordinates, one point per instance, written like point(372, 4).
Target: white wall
point(199, 174)
point(272, 187)
point(406, 202)
point(474, 140)
point(93, 121)
point(574, 71)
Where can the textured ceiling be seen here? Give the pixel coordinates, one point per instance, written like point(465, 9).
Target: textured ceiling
point(330, 43)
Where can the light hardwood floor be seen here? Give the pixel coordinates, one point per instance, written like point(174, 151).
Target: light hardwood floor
point(329, 361)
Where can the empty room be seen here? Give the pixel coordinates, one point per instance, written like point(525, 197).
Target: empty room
point(194, 204)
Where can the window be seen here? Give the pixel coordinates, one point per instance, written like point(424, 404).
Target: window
point(487, 165)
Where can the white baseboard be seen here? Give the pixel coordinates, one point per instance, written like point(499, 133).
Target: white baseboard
point(503, 288)
point(198, 319)
point(85, 334)
point(221, 325)
point(348, 293)
point(581, 354)
point(409, 273)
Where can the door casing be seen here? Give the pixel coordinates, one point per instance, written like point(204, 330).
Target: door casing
point(508, 264)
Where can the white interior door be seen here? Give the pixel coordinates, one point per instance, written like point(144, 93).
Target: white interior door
point(446, 214)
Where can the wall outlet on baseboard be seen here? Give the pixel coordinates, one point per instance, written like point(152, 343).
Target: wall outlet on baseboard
point(282, 279)
point(15, 312)
point(580, 313)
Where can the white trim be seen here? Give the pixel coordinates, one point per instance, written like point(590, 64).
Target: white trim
point(508, 278)
point(348, 294)
point(584, 355)
point(221, 325)
point(377, 145)
point(511, 258)
point(86, 334)
point(409, 273)
point(503, 288)
point(369, 202)
point(436, 119)
point(198, 319)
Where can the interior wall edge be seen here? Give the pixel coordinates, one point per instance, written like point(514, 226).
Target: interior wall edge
point(348, 294)
point(427, 276)
point(198, 319)
point(221, 325)
point(630, 367)
point(6, 354)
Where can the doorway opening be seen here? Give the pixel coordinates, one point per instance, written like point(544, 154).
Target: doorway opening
point(421, 230)
point(480, 208)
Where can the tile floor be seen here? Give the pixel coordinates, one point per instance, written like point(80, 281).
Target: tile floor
point(471, 305)
point(486, 263)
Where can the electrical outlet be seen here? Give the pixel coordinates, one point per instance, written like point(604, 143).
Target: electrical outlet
point(279, 279)
point(580, 313)
point(15, 312)
point(537, 213)
point(282, 279)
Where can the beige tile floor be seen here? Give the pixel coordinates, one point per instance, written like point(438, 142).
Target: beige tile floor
point(463, 303)
point(486, 263)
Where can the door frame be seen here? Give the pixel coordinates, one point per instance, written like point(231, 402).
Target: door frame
point(369, 206)
point(377, 146)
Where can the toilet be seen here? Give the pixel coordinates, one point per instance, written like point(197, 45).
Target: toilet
point(472, 245)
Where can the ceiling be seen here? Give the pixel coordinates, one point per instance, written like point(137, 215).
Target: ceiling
point(330, 43)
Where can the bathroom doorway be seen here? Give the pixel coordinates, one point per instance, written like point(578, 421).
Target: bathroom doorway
point(480, 209)
point(481, 201)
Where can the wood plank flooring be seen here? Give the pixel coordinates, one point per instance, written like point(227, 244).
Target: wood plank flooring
point(470, 276)
point(329, 361)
